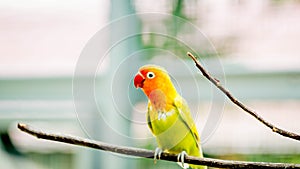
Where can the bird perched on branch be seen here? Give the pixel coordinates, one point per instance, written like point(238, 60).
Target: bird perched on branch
point(168, 116)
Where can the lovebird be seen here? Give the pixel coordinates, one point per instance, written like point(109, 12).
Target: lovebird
point(168, 115)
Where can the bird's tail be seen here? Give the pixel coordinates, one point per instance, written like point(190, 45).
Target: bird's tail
point(199, 166)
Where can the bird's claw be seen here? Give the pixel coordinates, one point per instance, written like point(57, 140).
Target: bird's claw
point(180, 160)
point(157, 154)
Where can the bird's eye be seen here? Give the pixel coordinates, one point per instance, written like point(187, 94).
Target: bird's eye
point(150, 75)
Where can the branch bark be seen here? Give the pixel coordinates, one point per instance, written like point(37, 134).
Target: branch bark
point(147, 153)
point(253, 113)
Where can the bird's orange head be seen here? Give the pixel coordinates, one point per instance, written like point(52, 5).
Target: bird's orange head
point(155, 83)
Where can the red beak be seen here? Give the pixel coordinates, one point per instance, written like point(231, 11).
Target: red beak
point(139, 81)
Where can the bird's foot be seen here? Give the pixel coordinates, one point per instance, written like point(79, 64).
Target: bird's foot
point(157, 154)
point(180, 160)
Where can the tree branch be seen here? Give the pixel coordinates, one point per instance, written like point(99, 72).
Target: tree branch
point(149, 154)
point(217, 83)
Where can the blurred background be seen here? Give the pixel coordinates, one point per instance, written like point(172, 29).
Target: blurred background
point(50, 67)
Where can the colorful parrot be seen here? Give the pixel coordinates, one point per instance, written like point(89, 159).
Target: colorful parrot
point(168, 116)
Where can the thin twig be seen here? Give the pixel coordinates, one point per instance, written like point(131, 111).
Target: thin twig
point(217, 83)
point(149, 154)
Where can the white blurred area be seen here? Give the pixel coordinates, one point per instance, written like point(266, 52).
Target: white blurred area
point(240, 133)
point(264, 34)
point(45, 38)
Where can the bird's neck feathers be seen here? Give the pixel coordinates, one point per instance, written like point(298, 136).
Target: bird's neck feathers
point(162, 98)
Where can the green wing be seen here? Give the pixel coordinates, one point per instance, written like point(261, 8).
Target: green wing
point(185, 115)
point(148, 119)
